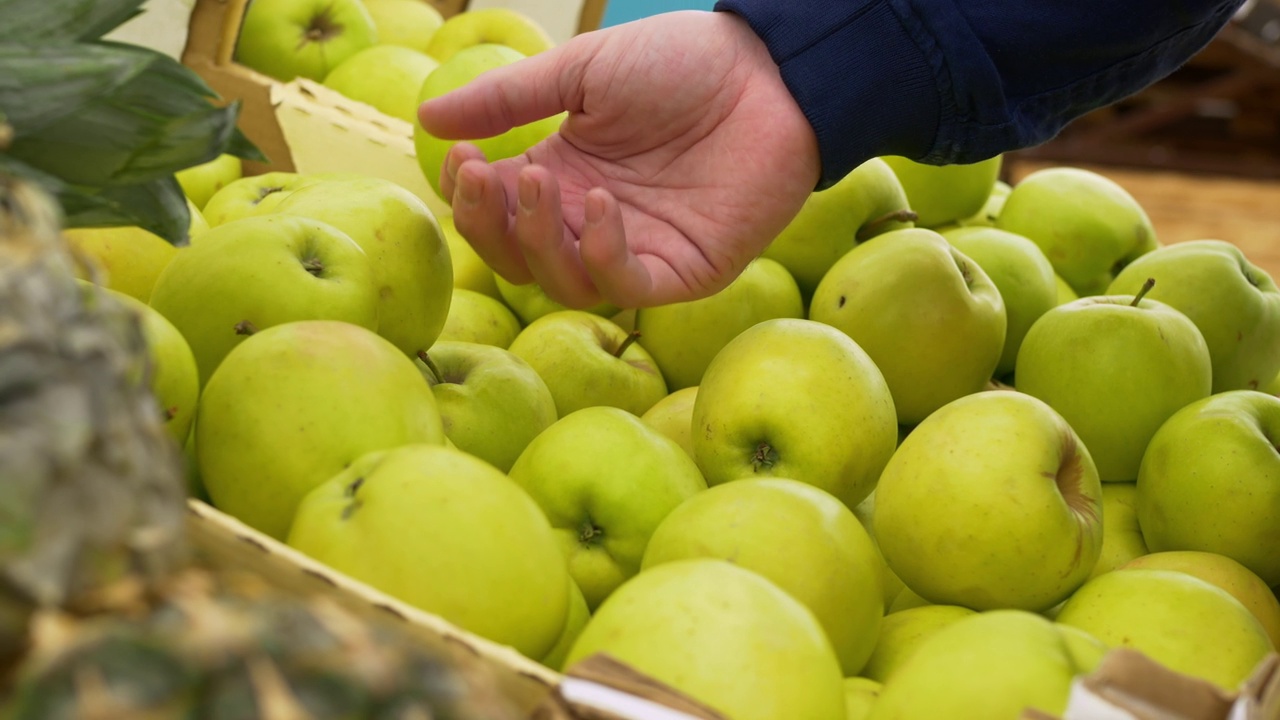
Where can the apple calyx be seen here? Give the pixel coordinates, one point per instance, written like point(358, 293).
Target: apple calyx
point(871, 229)
point(313, 265)
point(764, 457)
point(589, 533)
point(1142, 292)
point(245, 327)
point(626, 343)
point(350, 492)
point(321, 28)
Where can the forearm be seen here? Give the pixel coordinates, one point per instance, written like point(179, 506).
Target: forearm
point(954, 81)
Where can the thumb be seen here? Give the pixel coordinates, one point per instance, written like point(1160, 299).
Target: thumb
point(505, 97)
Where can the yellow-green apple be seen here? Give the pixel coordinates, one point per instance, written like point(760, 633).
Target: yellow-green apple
point(457, 70)
point(575, 620)
point(893, 585)
point(295, 404)
point(1121, 536)
point(253, 195)
point(684, 337)
point(801, 538)
point(902, 632)
point(605, 480)
point(1234, 303)
point(723, 635)
point(445, 532)
point(469, 270)
point(1087, 224)
point(478, 318)
point(990, 210)
point(625, 319)
point(200, 182)
point(1273, 388)
point(795, 399)
point(408, 254)
point(481, 26)
point(966, 517)
point(1243, 584)
point(1021, 273)
point(1210, 481)
point(865, 203)
point(1184, 623)
point(860, 695)
point(906, 600)
point(530, 302)
point(407, 23)
point(385, 77)
point(994, 664)
point(286, 39)
point(173, 378)
point(127, 259)
point(587, 360)
point(673, 416)
point(491, 402)
point(941, 194)
point(1116, 367)
point(1065, 293)
point(251, 274)
point(930, 317)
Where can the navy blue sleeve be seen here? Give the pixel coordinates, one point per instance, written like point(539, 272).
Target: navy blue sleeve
point(957, 81)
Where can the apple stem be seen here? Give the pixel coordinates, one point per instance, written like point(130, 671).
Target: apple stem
point(431, 367)
point(866, 232)
point(246, 327)
point(631, 338)
point(1146, 288)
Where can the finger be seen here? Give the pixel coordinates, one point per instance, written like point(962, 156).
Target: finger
point(458, 154)
point(617, 272)
point(504, 97)
point(549, 252)
point(480, 214)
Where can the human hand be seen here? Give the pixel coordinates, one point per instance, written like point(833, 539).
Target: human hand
point(682, 157)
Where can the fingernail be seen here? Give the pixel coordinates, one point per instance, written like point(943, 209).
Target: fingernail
point(593, 210)
point(451, 165)
point(529, 192)
point(469, 192)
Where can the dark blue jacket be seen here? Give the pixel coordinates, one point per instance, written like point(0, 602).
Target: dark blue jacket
point(957, 81)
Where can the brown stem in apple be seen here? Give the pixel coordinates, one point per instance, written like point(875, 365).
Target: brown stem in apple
point(626, 343)
point(246, 327)
point(1146, 288)
point(764, 457)
point(871, 229)
point(438, 377)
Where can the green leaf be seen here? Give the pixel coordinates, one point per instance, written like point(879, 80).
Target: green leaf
point(50, 21)
point(42, 84)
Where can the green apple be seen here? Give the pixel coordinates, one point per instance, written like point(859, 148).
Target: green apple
point(1087, 225)
point(253, 195)
point(723, 635)
point(865, 203)
point(445, 532)
point(1116, 367)
point(295, 404)
point(491, 402)
point(200, 182)
point(173, 378)
point(407, 23)
point(966, 517)
point(1273, 388)
point(456, 70)
point(684, 337)
point(893, 585)
point(990, 210)
point(587, 360)
point(673, 416)
point(1121, 536)
point(469, 270)
point(474, 317)
point(398, 232)
point(1065, 293)
point(930, 317)
point(941, 194)
point(904, 631)
point(906, 600)
point(1220, 570)
point(1210, 481)
point(1178, 620)
point(801, 538)
point(1021, 273)
point(286, 39)
point(251, 274)
point(1234, 303)
point(126, 259)
point(605, 480)
point(575, 621)
point(994, 664)
point(795, 399)
point(386, 77)
point(500, 26)
point(860, 695)
point(530, 302)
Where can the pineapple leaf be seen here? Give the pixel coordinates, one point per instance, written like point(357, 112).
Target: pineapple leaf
point(53, 21)
point(70, 77)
